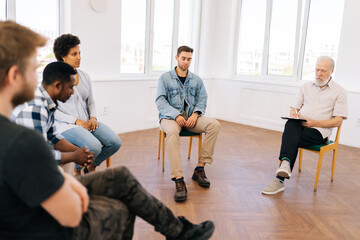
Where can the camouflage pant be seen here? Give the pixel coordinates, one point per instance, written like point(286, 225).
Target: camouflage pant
point(116, 197)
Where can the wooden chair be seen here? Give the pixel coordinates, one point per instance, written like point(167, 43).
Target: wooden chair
point(321, 150)
point(183, 133)
point(108, 162)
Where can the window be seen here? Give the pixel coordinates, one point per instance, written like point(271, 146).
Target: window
point(163, 35)
point(32, 15)
point(323, 33)
point(188, 27)
point(133, 28)
point(152, 30)
point(2, 10)
point(283, 38)
point(251, 37)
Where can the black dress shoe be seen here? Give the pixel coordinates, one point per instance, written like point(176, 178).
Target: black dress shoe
point(190, 231)
point(181, 191)
point(201, 178)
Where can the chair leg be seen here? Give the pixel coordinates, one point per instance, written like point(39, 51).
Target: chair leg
point(321, 155)
point(108, 162)
point(190, 143)
point(159, 144)
point(163, 151)
point(200, 142)
point(333, 164)
point(300, 158)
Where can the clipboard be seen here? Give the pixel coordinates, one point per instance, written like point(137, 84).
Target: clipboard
point(296, 119)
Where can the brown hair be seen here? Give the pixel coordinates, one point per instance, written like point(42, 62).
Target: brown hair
point(17, 44)
point(184, 49)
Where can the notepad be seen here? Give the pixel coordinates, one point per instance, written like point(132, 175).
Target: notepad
point(296, 119)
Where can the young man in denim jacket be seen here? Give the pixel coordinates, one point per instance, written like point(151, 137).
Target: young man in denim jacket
point(181, 100)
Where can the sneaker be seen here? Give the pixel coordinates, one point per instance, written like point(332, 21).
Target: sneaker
point(284, 170)
point(200, 177)
point(274, 187)
point(202, 231)
point(181, 191)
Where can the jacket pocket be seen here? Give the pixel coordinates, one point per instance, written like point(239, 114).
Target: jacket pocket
point(173, 92)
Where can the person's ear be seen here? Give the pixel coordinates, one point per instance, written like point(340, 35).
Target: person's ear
point(12, 75)
point(57, 86)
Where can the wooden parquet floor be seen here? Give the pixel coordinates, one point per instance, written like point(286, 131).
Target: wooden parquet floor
point(245, 161)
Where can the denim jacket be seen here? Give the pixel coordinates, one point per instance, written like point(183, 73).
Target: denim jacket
point(171, 94)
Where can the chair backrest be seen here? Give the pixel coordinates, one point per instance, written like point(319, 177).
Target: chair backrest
point(337, 135)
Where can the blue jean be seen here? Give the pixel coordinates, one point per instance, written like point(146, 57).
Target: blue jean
point(103, 141)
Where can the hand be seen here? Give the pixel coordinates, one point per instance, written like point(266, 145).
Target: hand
point(180, 121)
point(80, 190)
point(190, 123)
point(93, 124)
point(83, 156)
point(309, 123)
point(83, 124)
point(294, 113)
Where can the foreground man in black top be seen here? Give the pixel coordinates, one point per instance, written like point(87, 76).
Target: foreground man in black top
point(37, 201)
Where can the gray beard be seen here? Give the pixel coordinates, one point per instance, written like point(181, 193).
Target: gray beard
point(323, 82)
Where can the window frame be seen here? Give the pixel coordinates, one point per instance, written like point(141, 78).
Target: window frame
point(303, 12)
point(149, 38)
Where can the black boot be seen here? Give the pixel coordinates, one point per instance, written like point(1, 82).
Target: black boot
point(202, 231)
point(180, 190)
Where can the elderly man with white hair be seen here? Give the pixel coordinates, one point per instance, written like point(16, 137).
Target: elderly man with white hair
point(323, 103)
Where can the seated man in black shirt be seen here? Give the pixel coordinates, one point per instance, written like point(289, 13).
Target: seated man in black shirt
point(38, 204)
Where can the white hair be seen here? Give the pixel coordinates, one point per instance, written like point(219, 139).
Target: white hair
point(326, 58)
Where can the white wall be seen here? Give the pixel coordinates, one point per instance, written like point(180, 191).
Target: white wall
point(129, 103)
point(260, 103)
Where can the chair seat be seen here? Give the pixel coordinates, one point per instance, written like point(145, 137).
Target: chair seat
point(317, 147)
point(185, 133)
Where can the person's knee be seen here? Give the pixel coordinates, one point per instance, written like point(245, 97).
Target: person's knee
point(214, 125)
point(173, 132)
point(116, 143)
point(95, 147)
point(290, 124)
point(122, 170)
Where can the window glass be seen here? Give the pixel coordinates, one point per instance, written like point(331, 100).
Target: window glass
point(2, 9)
point(251, 37)
point(46, 22)
point(282, 37)
point(188, 27)
point(185, 23)
point(133, 29)
point(163, 33)
point(323, 33)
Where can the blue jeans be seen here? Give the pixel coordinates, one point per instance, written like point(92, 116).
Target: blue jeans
point(103, 141)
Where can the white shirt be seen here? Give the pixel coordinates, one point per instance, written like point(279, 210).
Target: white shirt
point(322, 104)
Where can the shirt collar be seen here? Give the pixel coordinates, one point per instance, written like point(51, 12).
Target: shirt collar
point(174, 75)
point(48, 100)
point(330, 83)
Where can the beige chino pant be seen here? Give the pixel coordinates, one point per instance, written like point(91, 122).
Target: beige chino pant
point(206, 125)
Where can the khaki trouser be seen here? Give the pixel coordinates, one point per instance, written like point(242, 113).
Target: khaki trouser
point(206, 125)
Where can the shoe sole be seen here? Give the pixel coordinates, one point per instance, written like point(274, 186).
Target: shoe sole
point(272, 193)
point(180, 199)
point(200, 184)
point(283, 173)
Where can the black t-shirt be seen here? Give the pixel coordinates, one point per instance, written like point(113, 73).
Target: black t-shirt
point(28, 176)
point(183, 79)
